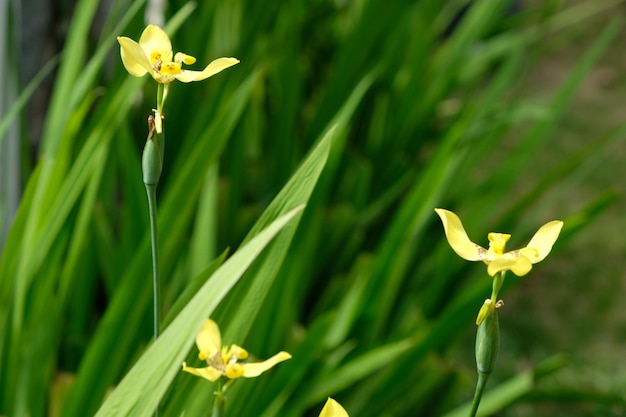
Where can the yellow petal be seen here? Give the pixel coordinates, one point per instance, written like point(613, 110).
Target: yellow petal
point(238, 352)
point(457, 237)
point(544, 239)
point(133, 57)
point(234, 370)
point(531, 253)
point(187, 59)
point(513, 261)
point(213, 68)
point(154, 39)
point(209, 372)
point(522, 266)
point(333, 409)
point(250, 370)
point(170, 68)
point(208, 339)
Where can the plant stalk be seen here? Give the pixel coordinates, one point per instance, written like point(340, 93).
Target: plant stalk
point(478, 395)
point(218, 404)
point(156, 288)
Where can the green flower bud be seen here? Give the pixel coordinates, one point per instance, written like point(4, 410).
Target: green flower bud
point(151, 163)
point(487, 339)
point(152, 158)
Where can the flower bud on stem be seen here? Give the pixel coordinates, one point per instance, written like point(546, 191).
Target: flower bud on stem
point(152, 159)
point(487, 346)
point(152, 164)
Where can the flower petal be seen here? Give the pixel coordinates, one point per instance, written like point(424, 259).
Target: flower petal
point(208, 339)
point(238, 352)
point(522, 266)
point(209, 372)
point(333, 409)
point(211, 69)
point(133, 57)
point(250, 370)
point(544, 239)
point(234, 370)
point(457, 237)
point(153, 39)
point(513, 261)
point(187, 59)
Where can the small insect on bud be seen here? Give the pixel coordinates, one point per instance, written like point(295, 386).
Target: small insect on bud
point(150, 126)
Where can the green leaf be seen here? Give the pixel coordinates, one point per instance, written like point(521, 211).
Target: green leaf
point(156, 368)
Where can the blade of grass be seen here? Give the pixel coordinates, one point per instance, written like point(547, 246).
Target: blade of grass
point(158, 366)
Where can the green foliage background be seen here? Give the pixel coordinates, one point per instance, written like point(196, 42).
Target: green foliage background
point(370, 113)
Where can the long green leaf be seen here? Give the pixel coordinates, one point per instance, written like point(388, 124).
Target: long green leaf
point(158, 366)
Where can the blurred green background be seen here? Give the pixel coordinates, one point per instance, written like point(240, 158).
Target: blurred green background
point(508, 113)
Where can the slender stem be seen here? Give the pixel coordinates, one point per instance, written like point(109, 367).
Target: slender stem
point(478, 395)
point(156, 288)
point(498, 280)
point(155, 163)
point(162, 90)
point(218, 404)
point(159, 138)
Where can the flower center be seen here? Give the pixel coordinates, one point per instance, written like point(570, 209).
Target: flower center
point(497, 242)
point(226, 360)
point(171, 68)
point(162, 63)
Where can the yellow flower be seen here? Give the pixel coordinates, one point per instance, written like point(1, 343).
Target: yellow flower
point(519, 261)
point(333, 409)
point(224, 360)
point(153, 54)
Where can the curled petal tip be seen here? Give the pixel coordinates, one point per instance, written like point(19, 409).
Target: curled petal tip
point(457, 236)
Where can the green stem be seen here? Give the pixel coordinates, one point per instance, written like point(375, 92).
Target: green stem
point(218, 404)
point(478, 395)
point(152, 205)
point(152, 164)
point(162, 90)
point(498, 280)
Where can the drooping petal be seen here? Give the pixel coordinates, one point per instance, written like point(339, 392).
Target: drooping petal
point(544, 239)
point(208, 339)
point(522, 266)
point(333, 409)
point(250, 370)
point(213, 68)
point(153, 39)
point(457, 237)
point(209, 372)
point(518, 264)
point(133, 57)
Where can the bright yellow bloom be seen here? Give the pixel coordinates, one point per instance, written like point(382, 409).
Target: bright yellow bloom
point(333, 409)
point(519, 261)
point(153, 54)
point(224, 360)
